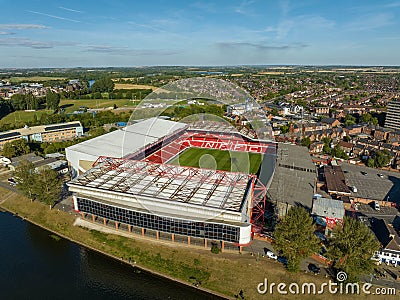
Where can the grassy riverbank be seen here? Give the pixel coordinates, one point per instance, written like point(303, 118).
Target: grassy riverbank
point(225, 273)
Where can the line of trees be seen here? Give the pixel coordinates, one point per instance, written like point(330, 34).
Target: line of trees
point(103, 85)
point(350, 247)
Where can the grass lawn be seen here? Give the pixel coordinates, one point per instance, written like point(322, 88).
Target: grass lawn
point(23, 116)
point(219, 159)
point(34, 79)
point(72, 105)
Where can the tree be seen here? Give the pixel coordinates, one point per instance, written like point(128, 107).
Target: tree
point(284, 129)
point(351, 247)
point(349, 120)
point(103, 85)
point(16, 148)
point(52, 100)
point(295, 238)
point(338, 152)
point(96, 131)
point(275, 112)
point(25, 177)
point(380, 159)
point(47, 186)
point(368, 118)
point(306, 142)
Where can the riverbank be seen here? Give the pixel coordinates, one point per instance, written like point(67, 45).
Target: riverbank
point(223, 274)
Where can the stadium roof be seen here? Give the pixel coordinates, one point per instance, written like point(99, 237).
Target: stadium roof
point(120, 143)
point(171, 184)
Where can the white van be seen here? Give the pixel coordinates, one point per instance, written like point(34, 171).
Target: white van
point(376, 205)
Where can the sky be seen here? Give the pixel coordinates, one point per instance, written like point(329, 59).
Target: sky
point(85, 33)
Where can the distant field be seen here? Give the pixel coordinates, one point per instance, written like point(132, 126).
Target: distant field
point(23, 116)
point(72, 105)
point(69, 105)
point(34, 78)
point(219, 159)
point(131, 86)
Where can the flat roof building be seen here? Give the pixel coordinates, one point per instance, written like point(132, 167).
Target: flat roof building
point(120, 143)
point(335, 181)
point(44, 133)
point(330, 210)
point(294, 180)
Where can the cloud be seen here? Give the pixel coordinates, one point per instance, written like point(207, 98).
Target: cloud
point(24, 42)
point(257, 46)
point(125, 51)
point(243, 8)
point(209, 7)
point(393, 4)
point(53, 16)
point(70, 9)
point(148, 26)
point(370, 21)
point(22, 26)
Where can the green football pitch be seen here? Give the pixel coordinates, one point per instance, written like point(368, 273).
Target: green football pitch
point(219, 160)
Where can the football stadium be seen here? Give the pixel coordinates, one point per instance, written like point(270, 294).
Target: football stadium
point(201, 183)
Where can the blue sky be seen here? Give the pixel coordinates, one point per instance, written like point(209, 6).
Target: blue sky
point(51, 33)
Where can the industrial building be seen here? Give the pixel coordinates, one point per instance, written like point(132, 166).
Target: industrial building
point(132, 184)
point(294, 180)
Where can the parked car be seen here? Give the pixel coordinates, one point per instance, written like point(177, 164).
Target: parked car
point(12, 181)
point(380, 175)
point(271, 255)
point(313, 268)
point(282, 260)
point(376, 205)
point(364, 173)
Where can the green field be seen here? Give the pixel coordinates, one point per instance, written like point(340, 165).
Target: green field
point(219, 159)
point(22, 116)
point(72, 105)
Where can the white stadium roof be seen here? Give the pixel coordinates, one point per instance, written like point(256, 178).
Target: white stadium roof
point(120, 143)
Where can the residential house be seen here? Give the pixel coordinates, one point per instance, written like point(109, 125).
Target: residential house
point(331, 122)
point(389, 239)
point(346, 147)
point(381, 134)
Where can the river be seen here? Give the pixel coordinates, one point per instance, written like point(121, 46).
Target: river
point(35, 266)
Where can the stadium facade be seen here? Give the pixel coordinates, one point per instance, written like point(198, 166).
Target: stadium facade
point(132, 184)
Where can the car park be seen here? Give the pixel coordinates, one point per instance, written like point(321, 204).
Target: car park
point(314, 269)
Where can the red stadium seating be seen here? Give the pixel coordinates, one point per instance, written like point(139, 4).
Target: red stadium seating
point(207, 141)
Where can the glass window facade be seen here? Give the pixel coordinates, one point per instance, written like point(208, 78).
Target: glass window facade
point(212, 231)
